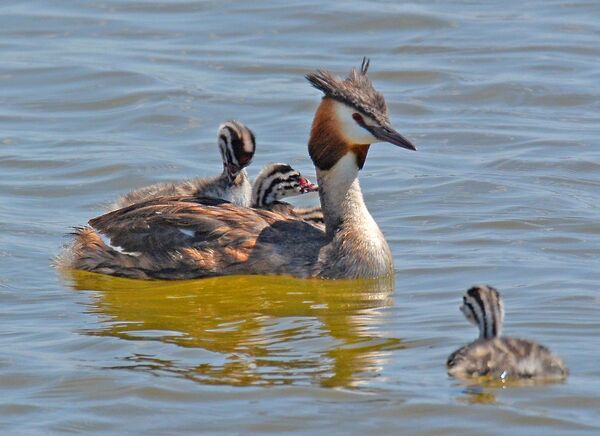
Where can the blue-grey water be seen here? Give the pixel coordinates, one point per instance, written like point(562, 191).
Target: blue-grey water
point(503, 102)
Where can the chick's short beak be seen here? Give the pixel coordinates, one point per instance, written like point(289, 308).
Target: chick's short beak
point(232, 171)
point(307, 186)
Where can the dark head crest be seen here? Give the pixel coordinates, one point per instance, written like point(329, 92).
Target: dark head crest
point(356, 90)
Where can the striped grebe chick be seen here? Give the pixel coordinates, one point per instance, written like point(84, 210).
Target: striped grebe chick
point(499, 357)
point(278, 181)
point(237, 145)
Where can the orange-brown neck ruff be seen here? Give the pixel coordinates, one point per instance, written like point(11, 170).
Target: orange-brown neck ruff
point(327, 144)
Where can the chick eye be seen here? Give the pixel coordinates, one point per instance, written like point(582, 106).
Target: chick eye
point(245, 158)
point(358, 118)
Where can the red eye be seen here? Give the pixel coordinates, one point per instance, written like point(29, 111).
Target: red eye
point(358, 118)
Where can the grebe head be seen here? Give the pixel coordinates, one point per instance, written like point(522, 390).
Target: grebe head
point(237, 145)
point(352, 116)
point(277, 181)
point(483, 307)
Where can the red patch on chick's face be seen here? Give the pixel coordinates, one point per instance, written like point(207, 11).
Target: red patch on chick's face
point(307, 186)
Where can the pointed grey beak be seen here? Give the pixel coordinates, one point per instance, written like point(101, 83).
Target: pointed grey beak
point(387, 134)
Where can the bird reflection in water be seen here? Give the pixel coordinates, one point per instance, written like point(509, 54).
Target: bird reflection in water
point(248, 330)
point(483, 390)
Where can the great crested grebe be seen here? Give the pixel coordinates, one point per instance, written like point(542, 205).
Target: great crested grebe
point(186, 237)
point(237, 145)
point(278, 181)
point(496, 357)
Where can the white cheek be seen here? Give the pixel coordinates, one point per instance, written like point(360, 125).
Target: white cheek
point(353, 132)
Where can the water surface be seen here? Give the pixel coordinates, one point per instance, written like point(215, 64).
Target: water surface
point(97, 98)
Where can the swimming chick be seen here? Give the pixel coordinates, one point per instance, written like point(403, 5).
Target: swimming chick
point(499, 357)
point(237, 144)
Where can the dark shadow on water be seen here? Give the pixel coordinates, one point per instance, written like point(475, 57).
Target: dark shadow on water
point(248, 330)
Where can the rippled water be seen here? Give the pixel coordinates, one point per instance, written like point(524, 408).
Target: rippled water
point(503, 102)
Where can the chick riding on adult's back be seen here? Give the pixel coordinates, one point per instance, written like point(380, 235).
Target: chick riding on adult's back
point(236, 145)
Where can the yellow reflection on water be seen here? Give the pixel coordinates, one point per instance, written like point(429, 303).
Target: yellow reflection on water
point(258, 329)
